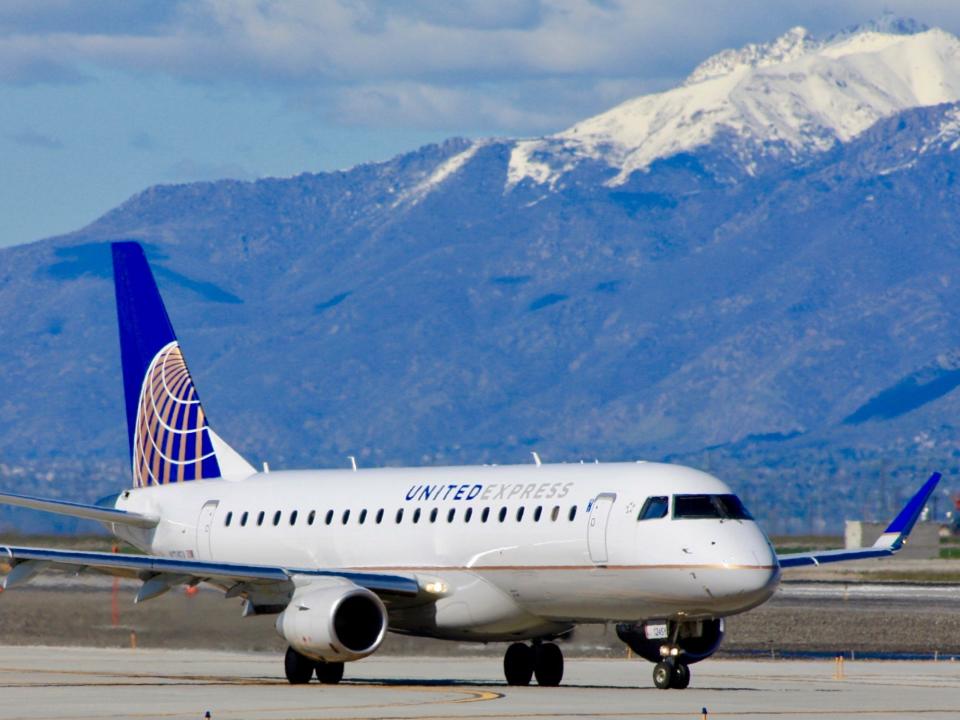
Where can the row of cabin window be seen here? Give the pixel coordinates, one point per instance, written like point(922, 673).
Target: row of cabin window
point(417, 513)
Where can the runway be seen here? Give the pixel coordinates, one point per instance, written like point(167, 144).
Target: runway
point(47, 683)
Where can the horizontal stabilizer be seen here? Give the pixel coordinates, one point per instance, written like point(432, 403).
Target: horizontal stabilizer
point(78, 510)
point(890, 542)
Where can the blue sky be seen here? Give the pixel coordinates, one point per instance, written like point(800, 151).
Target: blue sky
point(99, 100)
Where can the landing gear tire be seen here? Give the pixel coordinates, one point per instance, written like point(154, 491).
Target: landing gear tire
point(299, 669)
point(663, 675)
point(681, 677)
point(548, 664)
point(329, 673)
point(518, 663)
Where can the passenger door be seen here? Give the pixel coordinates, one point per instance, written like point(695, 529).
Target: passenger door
point(597, 527)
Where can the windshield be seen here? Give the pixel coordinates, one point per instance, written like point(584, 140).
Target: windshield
point(715, 507)
point(654, 508)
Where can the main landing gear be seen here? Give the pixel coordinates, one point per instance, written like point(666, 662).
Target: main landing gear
point(300, 669)
point(541, 660)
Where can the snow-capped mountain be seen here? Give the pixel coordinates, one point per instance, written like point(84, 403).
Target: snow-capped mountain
point(782, 99)
point(790, 330)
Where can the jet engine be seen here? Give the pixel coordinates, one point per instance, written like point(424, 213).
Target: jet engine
point(698, 640)
point(334, 623)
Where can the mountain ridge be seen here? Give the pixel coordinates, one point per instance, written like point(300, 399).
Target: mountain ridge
point(787, 98)
point(425, 311)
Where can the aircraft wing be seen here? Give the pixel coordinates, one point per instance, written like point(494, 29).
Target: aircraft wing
point(892, 539)
point(89, 512)
point(159, 574)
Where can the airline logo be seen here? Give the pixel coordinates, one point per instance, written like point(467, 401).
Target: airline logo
point(171, 441)
point(492, 491)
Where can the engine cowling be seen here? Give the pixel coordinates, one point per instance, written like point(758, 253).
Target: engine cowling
point(697, 640)
point(334, 623)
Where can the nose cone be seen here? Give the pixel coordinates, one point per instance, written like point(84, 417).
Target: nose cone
point(747, 570)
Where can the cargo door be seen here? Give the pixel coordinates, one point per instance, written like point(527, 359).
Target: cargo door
point(205, 530)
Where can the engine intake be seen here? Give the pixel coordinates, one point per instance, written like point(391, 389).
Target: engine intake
point(338, 622)
point(697, 640)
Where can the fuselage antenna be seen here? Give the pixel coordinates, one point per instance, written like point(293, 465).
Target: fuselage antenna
point(536, 458)
point(353, 462)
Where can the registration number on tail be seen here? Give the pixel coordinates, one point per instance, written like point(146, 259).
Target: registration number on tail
point(655, 631)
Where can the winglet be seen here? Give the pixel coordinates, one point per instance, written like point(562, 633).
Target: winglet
point(897, 531)
point(891, 541)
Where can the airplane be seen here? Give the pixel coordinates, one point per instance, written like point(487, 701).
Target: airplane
point(516, 554)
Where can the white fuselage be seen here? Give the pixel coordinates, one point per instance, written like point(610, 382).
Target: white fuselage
point(569, 549)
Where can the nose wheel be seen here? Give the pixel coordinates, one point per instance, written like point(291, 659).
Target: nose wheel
point(667, 675)
point(521, 663)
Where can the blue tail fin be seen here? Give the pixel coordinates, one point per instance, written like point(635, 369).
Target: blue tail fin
point(170, 440)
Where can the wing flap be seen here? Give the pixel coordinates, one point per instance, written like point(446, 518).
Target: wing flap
point(892, 539)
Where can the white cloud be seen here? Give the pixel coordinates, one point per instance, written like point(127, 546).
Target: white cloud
point(498, 65)
point(32, 138)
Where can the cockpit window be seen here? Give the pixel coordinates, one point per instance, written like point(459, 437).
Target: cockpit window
point(716, 507)
point(654, 508)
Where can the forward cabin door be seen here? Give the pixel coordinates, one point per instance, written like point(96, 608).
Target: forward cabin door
point(205, 529)
point(597, 530)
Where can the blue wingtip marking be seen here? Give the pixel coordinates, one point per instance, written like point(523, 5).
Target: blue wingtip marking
point(904, 522)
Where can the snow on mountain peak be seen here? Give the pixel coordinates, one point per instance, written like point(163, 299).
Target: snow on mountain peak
point(789, 46)
point(791, 96)
point(948, 133)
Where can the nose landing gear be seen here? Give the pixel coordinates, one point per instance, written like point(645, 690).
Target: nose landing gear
point(671, 674)
point(672, 671)
point(521, 663)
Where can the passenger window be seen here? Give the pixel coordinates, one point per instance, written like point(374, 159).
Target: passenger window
point(451, 515)
point(416, 516)
point(346, 516)
point(555, 513)
point(293, 517)
point(260, 516)
point(468, 514)
point(573, 512)
point(519, 513)
point(399, 515)
point(243, 519)
point(276, 518)
point(311, 517)
point(503, 514)
point(433, 515)
point(363, 516)
point(485, 514)
point(329, 518)
point(654, 508)
point(229, 518)
point(537, 512)
point(379, 516)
